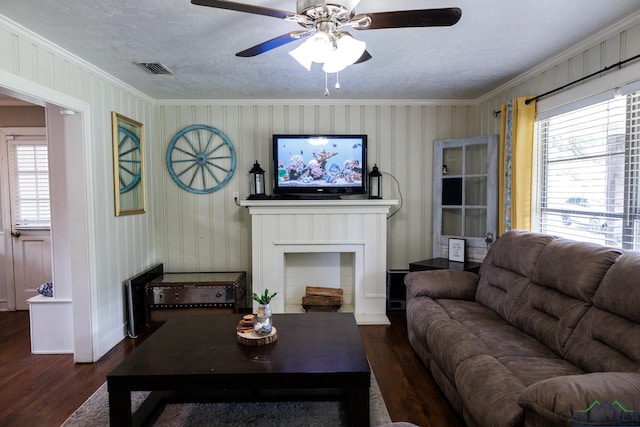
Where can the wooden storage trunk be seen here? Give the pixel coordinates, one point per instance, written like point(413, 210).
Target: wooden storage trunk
point(194, 293)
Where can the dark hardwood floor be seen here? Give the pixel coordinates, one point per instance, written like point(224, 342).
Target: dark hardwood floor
point(43, 390)
point(409, 391)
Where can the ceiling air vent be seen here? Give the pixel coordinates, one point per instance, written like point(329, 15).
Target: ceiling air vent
point(154, 67)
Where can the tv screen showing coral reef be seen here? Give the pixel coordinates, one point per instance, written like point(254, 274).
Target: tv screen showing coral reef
point(319, 165)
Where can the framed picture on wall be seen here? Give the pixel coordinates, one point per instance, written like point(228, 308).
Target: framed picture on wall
point(456, 249)
point(128, 165)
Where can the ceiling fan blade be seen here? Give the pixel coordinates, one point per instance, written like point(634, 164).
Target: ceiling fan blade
point(409, 18)
point(273, 43)
point(241, 7)
point(365, 57)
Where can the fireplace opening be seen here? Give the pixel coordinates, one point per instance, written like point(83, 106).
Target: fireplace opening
point(321, 269)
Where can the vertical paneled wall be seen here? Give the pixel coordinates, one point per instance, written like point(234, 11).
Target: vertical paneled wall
point(124, 245)
point(119, 246)
point(209, 232)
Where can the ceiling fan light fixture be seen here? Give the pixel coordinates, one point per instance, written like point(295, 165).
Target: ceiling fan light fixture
point(348, 51)
point(315, 49)
point(301, 54)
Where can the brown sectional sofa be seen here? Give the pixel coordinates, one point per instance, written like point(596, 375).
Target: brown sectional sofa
point(547, 334)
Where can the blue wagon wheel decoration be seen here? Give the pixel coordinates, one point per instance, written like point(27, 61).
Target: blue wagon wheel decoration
point(129, 160)
point(201, 159)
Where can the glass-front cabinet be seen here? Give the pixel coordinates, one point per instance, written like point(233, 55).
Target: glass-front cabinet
point(465, 194)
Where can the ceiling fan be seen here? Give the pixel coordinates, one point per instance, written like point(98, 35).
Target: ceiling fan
point(324, 19)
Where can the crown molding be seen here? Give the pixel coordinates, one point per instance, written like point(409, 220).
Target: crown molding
point(318, 102)
point(43, 43)
point(599, 37)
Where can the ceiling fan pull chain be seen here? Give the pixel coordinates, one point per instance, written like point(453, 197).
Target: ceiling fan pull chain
point(326, 87)
point(337, 81)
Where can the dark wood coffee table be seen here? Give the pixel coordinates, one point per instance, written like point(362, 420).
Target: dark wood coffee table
point(317, 355)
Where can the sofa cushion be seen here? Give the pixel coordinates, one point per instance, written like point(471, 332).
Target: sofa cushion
point(421, 314)
point(422, 311)
point(561, 290)
point(517, 251)
point(430, 323)
point(568, 400)
point(459, 330)
point(531, 369)
point(548, 315)
point(507, 341)
point(495, 333)
point(490, 392)
point(619, 292)
point(491, 387)
point(606, 338)
point(574, 268)
point(450, 344)
point(605, 342)
point(442, 284)
point(506, 270)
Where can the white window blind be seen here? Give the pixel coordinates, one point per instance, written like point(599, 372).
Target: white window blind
point(29, 167)
point(587, 177)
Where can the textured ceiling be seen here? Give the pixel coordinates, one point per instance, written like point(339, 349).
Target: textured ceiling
point(493, 42)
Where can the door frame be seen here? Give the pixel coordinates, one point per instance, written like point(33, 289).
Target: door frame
point(68, 122)
point(5, 192)
point(6, 225)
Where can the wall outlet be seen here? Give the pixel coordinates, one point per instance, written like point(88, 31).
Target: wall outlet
point(236, 195)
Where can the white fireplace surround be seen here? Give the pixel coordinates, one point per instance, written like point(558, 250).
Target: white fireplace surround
point(357, 226)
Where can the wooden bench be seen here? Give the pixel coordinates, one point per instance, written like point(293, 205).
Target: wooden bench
point(319, 297)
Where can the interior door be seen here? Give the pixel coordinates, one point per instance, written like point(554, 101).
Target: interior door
point(31, 263)
point(465, 194)
point(27, 212)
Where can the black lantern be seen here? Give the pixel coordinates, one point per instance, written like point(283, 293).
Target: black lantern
point(375, 183)
point(256, 182)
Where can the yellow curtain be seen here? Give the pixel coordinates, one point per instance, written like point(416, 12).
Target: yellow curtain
point(516, 164)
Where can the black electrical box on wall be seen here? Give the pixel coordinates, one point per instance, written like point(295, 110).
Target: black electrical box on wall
point(396, 291)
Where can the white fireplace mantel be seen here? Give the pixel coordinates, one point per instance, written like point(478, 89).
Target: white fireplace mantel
point(356, 226)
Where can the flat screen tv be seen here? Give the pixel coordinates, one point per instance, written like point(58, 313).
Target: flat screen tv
point(312, 166)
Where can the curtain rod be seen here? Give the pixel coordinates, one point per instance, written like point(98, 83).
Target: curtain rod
point(619, 64)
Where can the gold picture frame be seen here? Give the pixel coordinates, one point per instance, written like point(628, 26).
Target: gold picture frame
point(128, 165)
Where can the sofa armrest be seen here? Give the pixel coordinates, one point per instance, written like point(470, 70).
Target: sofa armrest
point(576, 399)
point(450, 284)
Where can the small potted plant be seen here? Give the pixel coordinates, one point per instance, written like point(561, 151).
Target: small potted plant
point(262, 322)
point(265, 298)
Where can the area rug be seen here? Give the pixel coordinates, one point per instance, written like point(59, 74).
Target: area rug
point(94, 412)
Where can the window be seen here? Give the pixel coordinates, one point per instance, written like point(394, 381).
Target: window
point(29, 167)
point(587, 174)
